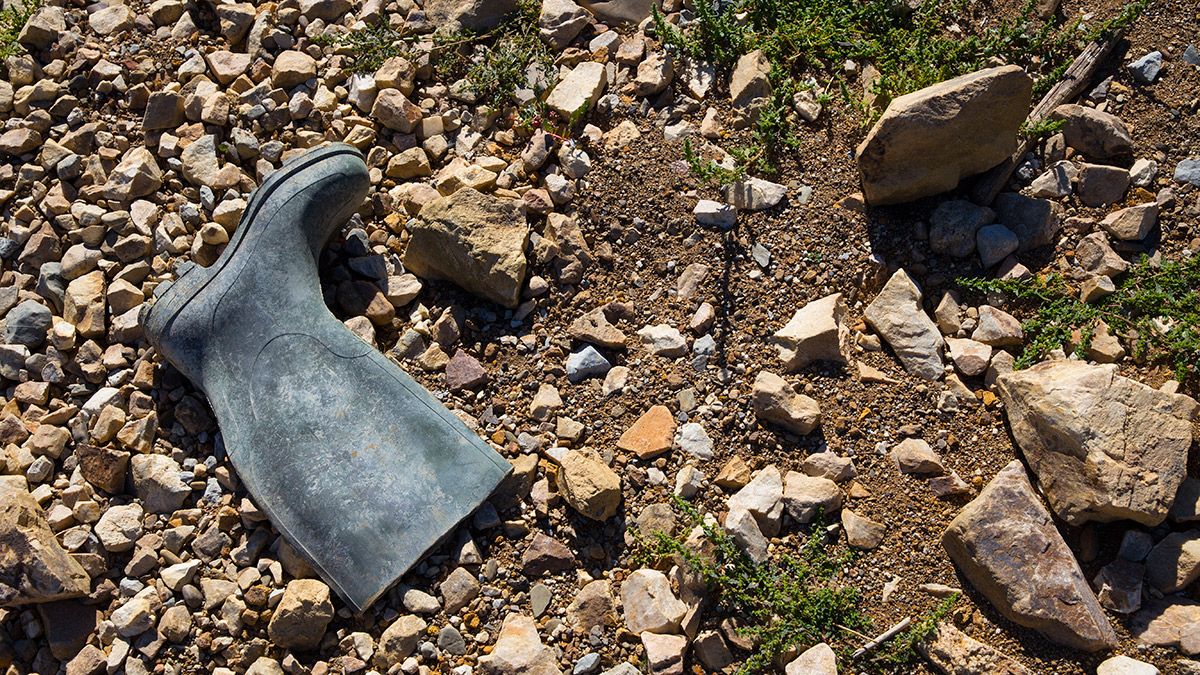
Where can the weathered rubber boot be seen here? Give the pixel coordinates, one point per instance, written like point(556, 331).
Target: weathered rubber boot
point(355, 463)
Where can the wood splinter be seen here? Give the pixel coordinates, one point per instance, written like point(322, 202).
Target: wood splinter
point(884, 637)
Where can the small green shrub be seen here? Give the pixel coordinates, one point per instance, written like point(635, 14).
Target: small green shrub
point(495, 64)
point(1041, 128)
point(911, 49)
point(12, 22)
point(370, 46)
point(1156, 308)
point(788, 602)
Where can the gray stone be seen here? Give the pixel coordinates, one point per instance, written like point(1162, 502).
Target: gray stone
point(995, 243)
point(1006, 544)
point(1144, 70)
point(953, 226)
point(586, 362)
point(1034, 221)
point(26, 324)
point(896, 314)
point(1188, 171)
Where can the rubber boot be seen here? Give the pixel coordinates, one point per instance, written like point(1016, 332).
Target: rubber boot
point(353, 461)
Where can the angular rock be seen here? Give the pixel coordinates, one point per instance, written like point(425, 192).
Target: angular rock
point(1034, 221)
point(929, 140)
point(157, 483)
point(546, 554)
point(1103, 447)
point(651, 435)
point(399, 640)
point(560, 21)
point(753, 194)
point(1133, 223)
point(663, 340)
point(1095, 255)
point(954, 652)
point(1174, 563)
point(578, 90)
point(805, 497)
point(594, 327)
point(896, 314)
point(119, 527)
point(617, 12)
point(293, 68)
point(476, 16)
point(137, 175)
point(588, 485)
point(1100, 185)
point(1006, 544)
point(775, 402)
point(664, 653)
point(998, 328)
point(475, 240)
point(1096, 134)
point(816, 332)
point(953, 226)
point(649, 603)
point(817, 660)
point(592, 606)
point(34, 568)
point(519, 649)
point(1170, 622)
point(971, 358)
point(862, 532)
point(303, 612)
point(762, 498)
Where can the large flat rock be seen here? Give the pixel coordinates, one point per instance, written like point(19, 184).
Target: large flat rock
point(475, 240)
point(1006, 544)
point(1102, 447)
point(929, 140)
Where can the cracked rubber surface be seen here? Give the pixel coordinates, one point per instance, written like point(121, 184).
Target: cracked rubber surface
point(353, 461)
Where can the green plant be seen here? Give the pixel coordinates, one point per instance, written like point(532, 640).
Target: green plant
point(709, 171)
point(910, 49)
point(1156, 308)
point(784, 603)
point(497, 63)
point(12, 22)
point(1041, 128)
point(370, 46)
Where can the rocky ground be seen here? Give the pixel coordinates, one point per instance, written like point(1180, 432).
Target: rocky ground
point(619, 329)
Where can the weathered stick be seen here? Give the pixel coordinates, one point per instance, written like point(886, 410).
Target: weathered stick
point(884, 637)
point(1072, 84)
